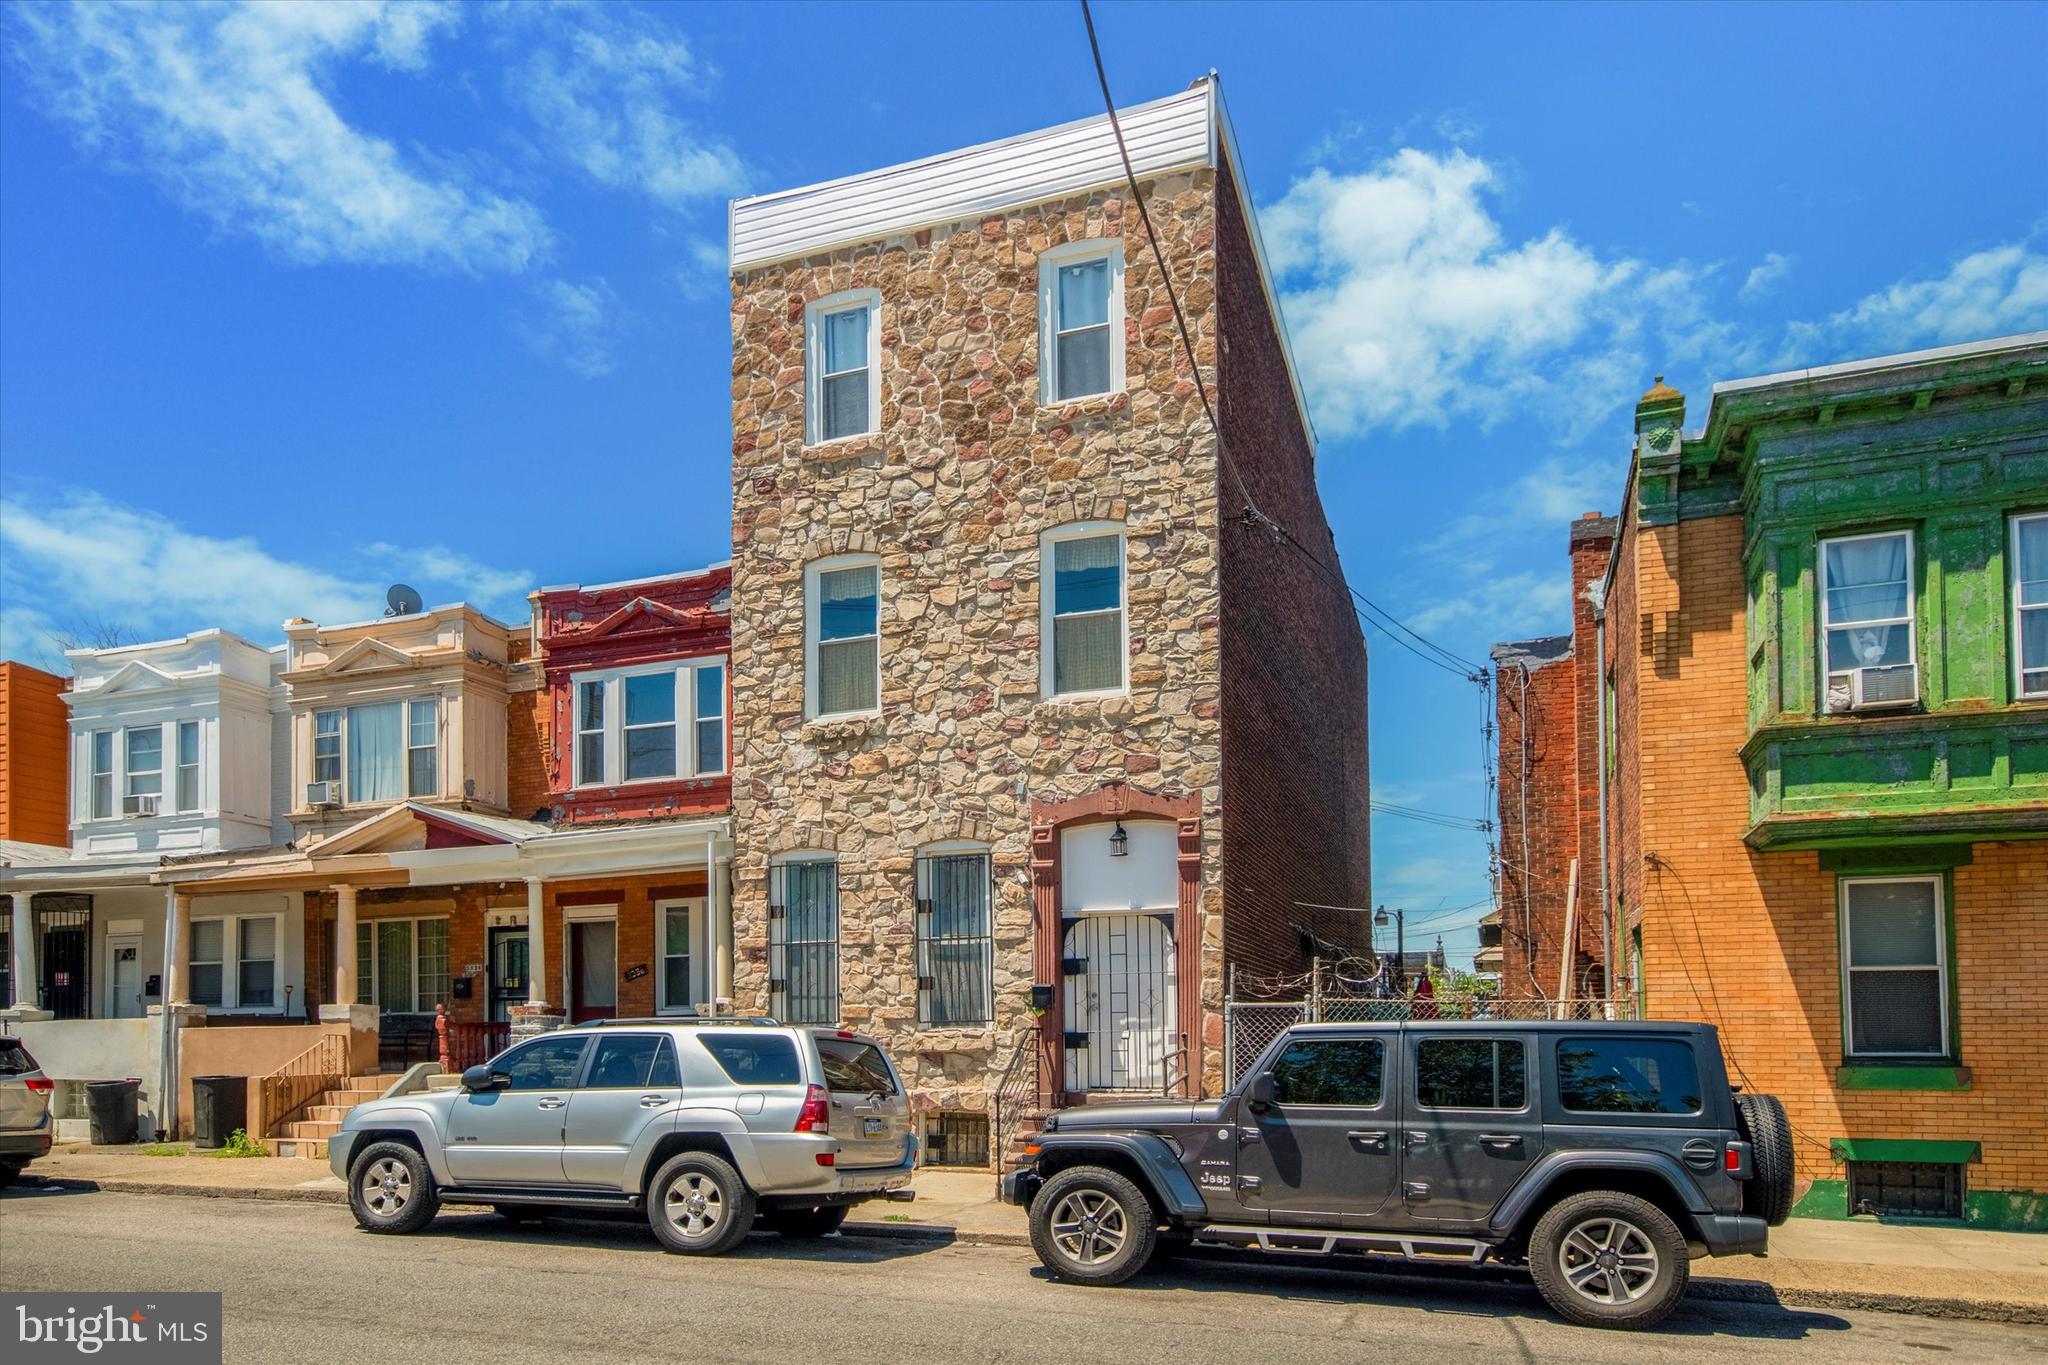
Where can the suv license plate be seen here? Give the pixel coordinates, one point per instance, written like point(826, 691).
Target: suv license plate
point(870, 1128)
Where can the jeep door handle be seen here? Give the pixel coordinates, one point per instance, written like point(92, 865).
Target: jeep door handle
point(1418, 1139)
point(1372, 1139)
point(1502, 1140)
point(553, 1102)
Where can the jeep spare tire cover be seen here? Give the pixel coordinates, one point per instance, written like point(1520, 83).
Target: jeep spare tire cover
point(1767, 1194)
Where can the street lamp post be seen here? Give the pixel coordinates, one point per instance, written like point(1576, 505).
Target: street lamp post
point(1400, 919)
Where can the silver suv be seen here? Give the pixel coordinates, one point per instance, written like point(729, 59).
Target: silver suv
point(24, 1109)
point(703, 1124)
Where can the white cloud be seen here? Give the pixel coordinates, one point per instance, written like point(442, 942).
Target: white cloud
point(1763, 280)
point(78, 556)
point(1409, 304)
point(1504, 607)
point(575, 326)
point(227, 107)
point(702, 274)
point(604, 89)
point(1987, 293)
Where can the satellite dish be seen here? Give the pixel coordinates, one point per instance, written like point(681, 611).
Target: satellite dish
point(403, 601)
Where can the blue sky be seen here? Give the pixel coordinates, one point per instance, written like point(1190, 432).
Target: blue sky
point(298, 301)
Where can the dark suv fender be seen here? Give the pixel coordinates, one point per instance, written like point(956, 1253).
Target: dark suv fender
point(1549, 1169)
point(1146, 1157)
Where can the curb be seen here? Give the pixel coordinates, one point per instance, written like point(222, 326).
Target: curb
point(1726, 1289)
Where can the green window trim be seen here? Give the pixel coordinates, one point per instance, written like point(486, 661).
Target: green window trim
point(1955, 1152)
point(1857, 1076)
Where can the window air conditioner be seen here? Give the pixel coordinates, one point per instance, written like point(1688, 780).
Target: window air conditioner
point(320, 794)
point(139, 807)
point(1873, 689)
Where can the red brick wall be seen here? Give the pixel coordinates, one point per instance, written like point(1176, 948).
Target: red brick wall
point(1592, 541)
point(1296, 823)
point(529, 721)
point(1536, 717)
point(35, 734)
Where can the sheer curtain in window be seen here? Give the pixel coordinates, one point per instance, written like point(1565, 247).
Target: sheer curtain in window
point(376, 752)
point(256, 967)
point(848, 607)
point(1867, 583)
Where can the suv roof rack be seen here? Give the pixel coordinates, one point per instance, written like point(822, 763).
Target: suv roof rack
point(671, 1020)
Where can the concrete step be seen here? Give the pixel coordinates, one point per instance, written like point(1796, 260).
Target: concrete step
point(305, 1149)
point(328, 1113)
point(309, 1128)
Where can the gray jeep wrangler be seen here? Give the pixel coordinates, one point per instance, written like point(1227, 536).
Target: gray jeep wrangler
point(1604, 1156)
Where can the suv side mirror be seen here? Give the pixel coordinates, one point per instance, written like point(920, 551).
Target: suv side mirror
point(481, 1077)
point(1258, 1096)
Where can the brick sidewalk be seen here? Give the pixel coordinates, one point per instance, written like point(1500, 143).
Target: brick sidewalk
point(1907, 1268)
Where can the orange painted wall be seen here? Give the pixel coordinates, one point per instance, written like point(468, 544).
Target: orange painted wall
point(35, 774)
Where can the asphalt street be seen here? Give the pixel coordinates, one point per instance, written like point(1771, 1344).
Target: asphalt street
point(302, 1283)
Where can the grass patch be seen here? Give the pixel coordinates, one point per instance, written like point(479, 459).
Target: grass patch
point(897, 1218)
point(239, 1143)
point(162, 1149)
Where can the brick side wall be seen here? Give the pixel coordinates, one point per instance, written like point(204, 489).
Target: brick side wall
point(1535, 716)
point(1296, 821)
point(1592, 541)
point(35, 777)
point(529, 726)
point(1749, 941)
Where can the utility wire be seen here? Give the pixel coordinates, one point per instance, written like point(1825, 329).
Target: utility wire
point(1369, 612)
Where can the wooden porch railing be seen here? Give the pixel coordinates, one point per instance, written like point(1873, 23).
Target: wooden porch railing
point(464, 1043)
point(285, 1091)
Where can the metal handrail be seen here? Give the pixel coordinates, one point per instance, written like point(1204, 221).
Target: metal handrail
point(303, 1079)
point(1020, 1079)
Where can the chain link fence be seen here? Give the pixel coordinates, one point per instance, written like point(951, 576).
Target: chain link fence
point(1250, 1026)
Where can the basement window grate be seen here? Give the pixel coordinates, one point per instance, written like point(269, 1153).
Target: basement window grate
point(1906, 1189)
point(956, 1139)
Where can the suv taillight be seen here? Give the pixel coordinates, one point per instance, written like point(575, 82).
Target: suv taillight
point(816, 1115)
point(42, 1083)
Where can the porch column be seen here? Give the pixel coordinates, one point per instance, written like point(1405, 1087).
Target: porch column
point(177, 948)
point(344, 945)
point(719, 875)
point(536, 949)
point(24, 953)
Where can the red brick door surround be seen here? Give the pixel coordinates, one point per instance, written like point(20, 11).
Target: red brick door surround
point(1110, 802)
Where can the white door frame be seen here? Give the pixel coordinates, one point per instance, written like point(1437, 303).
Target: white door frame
point(125, 940)
point(573, 915)
point(700, 946)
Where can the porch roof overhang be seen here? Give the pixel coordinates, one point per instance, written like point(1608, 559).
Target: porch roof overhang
point(29, 868)
point(382, 851)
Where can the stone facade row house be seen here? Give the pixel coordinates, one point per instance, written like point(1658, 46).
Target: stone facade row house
point(1807, 687)
point(1006, 735)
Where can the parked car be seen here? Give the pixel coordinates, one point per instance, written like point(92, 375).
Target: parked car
point(702, 1124)
point(1604, 1156)
point(24, 1109)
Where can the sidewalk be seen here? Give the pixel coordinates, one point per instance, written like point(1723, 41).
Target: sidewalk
point(1930, 1270)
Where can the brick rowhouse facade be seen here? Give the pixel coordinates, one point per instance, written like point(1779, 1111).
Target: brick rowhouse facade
point(1745, 813)
point(1234, 754)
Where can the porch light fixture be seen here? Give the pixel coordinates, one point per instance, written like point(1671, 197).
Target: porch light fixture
point(1119, 842)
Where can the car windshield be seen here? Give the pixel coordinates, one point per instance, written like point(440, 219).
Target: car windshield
point(14, 1058)
point(854, 1067)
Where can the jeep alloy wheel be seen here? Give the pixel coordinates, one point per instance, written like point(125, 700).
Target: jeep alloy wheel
point(1090, 1225)
point(1608, 1260)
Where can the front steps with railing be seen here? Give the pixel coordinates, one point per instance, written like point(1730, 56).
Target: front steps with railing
point(306, 1136)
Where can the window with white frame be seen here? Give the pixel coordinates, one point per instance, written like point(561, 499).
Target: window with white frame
point(803, 933)
point(102, 774)
point(380, 751)
point(1081, 319)
point(955, 952)
point(1894, 967)
point(143, 761)
point(231, 963)
point(2030, 603)
point(402, 964)
point(1081, 601)
point(188, 765)
point(842, 635)
point(843, 391)
point(1867, 638)
point(649, 724)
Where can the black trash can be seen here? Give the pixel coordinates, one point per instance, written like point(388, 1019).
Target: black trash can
point(220, 1105)
point(112, 1108)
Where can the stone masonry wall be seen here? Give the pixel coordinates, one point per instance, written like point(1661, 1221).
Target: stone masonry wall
point(967, 470)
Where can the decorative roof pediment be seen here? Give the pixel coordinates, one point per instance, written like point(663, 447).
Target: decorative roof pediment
point(408, 826)
point(366, 656)
point(132, 677)
point(642, 613)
